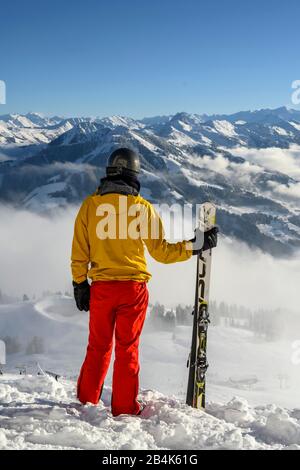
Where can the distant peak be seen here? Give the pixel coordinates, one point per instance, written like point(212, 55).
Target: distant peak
point(32, 113)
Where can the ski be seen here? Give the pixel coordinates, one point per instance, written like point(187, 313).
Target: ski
point(197, 362)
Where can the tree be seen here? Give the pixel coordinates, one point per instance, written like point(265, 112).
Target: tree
point(170, 319)
point(12, 344)
point(35, 346)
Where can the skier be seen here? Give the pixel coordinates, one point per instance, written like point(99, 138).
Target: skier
point(114, 261)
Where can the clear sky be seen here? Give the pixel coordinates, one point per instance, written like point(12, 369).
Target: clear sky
point(148, 57)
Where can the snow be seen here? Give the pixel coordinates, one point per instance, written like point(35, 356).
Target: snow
point(21, 130)
point(225, 128)
point(198, 182)
point(180, 138)
point(274, 230)
point(176, 195)
point(180, 142)
point(145, 142)
point(41, 197)
point(280, 131)
point(239, 210)
point(206, 140)
point(296, 125)
point(116, 121)
point(38, 412)
point(185, 126)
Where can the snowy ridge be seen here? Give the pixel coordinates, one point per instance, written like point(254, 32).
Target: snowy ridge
point(248, 162)
point(31, 129)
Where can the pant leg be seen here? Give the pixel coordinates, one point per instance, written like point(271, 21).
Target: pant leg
point(130, 316)
point(101, 329)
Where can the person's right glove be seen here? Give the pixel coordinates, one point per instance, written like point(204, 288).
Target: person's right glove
point(210, 240)
point(82, 295)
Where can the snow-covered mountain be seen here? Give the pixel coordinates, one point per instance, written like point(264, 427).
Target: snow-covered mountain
point(248, 163)
point(31, 129)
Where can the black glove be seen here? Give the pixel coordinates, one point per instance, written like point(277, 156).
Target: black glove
point(210, 240)
point(82, 295)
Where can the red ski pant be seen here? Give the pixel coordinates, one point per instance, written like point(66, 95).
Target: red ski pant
point(117, 309)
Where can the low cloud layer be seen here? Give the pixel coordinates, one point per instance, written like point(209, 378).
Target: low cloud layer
point(289, 192)
point(239, 172)
point(35, 257)
point(240, 276)
point(284, 160)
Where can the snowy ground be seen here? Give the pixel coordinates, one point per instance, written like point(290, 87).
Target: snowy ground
point(38, 412)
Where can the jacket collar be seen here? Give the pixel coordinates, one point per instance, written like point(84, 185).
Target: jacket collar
point(118, 186)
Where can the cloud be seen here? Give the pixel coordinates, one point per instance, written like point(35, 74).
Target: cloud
point(35, 251)
point(35, 256)
point(288, 192)
point(240, 275)
point(48, 170)
point(241, 173)
point(284, 160)
point(4, 158)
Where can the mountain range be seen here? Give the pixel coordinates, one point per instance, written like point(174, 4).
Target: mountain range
point(248, 163)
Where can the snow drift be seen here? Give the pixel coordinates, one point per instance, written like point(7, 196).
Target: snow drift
point(40, 413)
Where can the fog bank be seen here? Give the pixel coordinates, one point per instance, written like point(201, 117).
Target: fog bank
point(35, 257)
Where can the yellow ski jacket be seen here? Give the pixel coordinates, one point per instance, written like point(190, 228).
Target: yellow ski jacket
point(110, 234)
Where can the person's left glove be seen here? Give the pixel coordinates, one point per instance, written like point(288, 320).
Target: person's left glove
point(210, 240)
point(82, 295)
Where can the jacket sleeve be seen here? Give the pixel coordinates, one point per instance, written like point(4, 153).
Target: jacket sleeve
point(80, 257)
point(159, 248)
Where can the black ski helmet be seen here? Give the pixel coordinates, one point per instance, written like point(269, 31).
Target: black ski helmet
point(123, 161)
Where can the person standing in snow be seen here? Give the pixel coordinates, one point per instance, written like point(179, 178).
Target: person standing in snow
point(108, 247)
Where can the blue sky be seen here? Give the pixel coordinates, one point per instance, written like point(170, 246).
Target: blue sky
point(143, 58)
